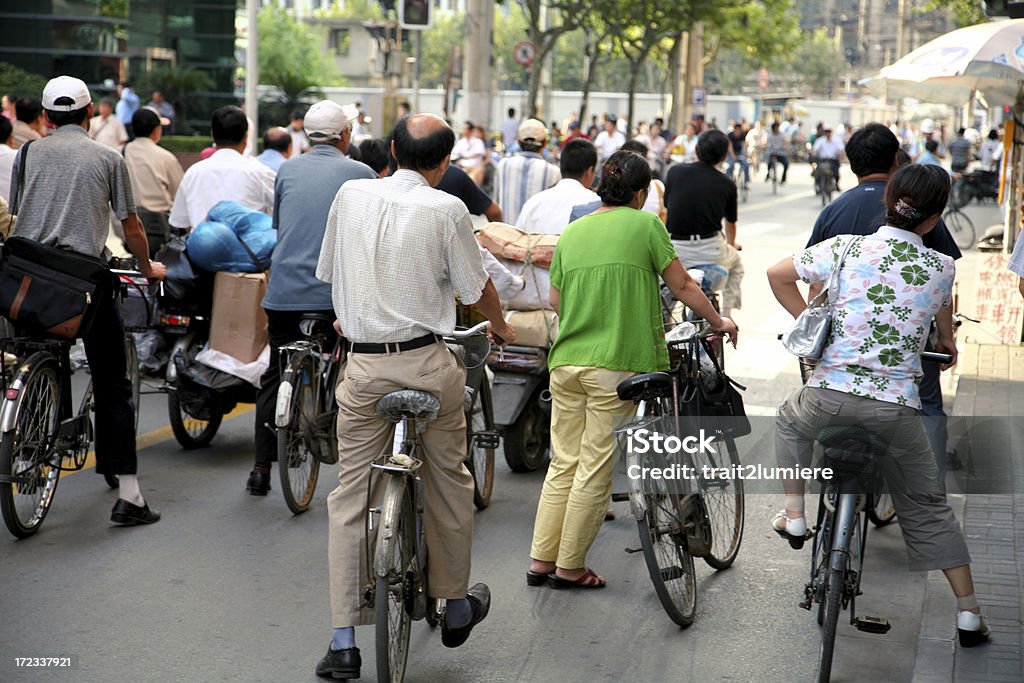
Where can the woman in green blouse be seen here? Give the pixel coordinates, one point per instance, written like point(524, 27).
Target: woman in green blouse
point(604, 286)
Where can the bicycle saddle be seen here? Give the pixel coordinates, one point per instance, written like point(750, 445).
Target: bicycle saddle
point(649, 385)
point(409, 403)
point(852, 439)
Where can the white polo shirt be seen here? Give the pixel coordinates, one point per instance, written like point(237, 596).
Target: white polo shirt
point(226, 175)
point(549, 211)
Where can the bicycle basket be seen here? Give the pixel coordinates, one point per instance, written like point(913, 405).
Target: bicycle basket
point(473, 352)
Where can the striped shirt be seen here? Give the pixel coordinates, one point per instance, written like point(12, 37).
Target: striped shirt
point(397, 252)
point(520, 177)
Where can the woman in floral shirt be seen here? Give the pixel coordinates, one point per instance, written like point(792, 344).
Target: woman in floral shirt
point(890, 287)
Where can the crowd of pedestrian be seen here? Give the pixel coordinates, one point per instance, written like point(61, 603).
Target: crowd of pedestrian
point(377, 232)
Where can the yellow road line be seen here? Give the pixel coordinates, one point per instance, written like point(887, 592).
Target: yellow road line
point(157, 436)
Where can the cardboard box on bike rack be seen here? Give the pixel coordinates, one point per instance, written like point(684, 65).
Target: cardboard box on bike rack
point(238, 325)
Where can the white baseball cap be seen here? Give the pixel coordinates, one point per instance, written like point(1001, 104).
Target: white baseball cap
point(928, 126)
point(66, 87)
point(327, 119)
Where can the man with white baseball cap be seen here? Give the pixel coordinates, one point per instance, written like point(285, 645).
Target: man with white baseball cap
point(526, 173)
point(303, 193)
point(70, 186)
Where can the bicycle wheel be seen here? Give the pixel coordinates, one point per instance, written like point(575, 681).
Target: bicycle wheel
point(669, 564)
point(961, 228)
point(190, 432)
point(833, 605)
point(724, 501)
point(881, 511)
point(133, 374)
point(297, 464)
point(480, 461)
point(28, 475)
point(960, 194)
point(775, 180)
point(395, 569)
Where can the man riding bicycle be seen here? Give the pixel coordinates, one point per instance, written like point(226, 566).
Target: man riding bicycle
point(699, 198)
point(826, 152)
point(397, 252)
point(777, 153)
point(303, 192)
point(738, 152)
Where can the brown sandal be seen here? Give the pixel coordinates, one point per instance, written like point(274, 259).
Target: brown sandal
point(588, 580)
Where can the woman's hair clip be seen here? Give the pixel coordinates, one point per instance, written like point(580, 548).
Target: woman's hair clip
point(907, 211)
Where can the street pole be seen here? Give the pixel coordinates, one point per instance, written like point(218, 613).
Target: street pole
point(416, 73)
point(479, 26)
point(545, 74)
point(252, 64)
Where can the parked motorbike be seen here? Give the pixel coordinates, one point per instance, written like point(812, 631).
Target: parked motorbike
point(978, 184)
point(198, 397)
point(522, 405)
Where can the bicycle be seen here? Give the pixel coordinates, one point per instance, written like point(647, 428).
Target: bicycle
point(400, 590)
point(40, 437)
point(840, 534)
point(482, 439)
point(960, 226)
point(824, 183)
point(772, 174)
point(736, 176)
point(691, 516)
point(306, 411)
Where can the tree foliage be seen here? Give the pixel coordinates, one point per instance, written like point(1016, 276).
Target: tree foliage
point(965, 12)
point(19, 82)
point(364, 10)
point(181, 86)
point(292, 57)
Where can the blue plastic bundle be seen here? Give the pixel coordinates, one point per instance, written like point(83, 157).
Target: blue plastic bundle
point(234, 238)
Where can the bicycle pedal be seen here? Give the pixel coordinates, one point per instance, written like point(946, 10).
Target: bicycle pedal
point(488, 440)
point(805, 604)
point(620, 497)
point(872, 624)
point(634, 550)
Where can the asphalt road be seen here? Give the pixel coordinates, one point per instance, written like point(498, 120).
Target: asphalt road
point(230, 587)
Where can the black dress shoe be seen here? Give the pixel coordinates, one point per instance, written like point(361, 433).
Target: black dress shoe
point(479, 597)
point(339, 663)
point(127, 514)
point(259, 483)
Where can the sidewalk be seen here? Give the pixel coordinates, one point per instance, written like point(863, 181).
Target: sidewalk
point(990, 384)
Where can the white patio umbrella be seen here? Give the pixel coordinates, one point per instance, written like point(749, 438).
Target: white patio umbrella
point(988, 58)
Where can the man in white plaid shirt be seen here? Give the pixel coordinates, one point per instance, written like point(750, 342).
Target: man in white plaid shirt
point(398, 252)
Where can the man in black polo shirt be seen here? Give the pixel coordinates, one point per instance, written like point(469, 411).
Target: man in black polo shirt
point(698, 198)
point(872, 152)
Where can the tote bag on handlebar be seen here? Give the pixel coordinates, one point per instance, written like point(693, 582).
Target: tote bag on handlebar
point(46, 290)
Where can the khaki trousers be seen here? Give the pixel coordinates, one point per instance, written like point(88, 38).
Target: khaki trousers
point(448, 485)
point(578, 484)
point(715, 250)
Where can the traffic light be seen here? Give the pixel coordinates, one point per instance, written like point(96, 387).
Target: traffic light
point(414, 14)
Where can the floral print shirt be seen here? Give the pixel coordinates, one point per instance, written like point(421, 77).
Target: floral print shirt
point(890, 288)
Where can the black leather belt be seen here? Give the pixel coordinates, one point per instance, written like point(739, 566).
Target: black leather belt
point(693, 238)
point(395, 347)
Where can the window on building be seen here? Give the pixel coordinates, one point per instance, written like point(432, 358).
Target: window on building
point(340, 41)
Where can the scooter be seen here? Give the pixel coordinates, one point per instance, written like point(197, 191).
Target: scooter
point(978, 184)
point(522, 405)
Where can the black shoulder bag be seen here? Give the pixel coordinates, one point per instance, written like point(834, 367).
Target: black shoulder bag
point(719, 407)
point(47, 290)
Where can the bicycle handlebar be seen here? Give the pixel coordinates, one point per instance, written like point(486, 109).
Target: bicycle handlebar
point(478, 329)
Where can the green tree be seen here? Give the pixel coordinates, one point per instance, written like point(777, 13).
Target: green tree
point(365, 10)
point(965, 12)
point(182, 87)
point(19, 82)
point(563, 16)
point(817, 63)
point(438, 46)
point(293, 58)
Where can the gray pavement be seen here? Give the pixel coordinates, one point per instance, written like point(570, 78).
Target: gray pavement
point(231, 587)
